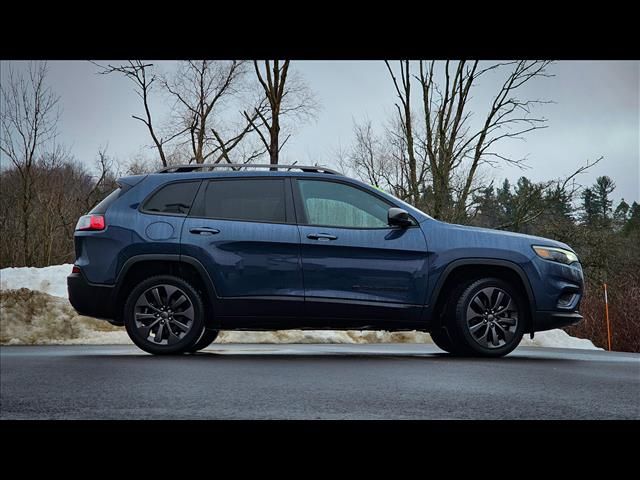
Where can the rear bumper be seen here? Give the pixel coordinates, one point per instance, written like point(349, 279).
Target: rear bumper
point(90, 299)
point(550, 320)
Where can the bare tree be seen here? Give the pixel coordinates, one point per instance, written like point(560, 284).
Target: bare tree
point(62, 190)
point(452, 144)
point(441, 155)
point(143, 76)
point(285, 96)
point(203, 90)
point(28, 122)
point(415, 172)
point(379, 159)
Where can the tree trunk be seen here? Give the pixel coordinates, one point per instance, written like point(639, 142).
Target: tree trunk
point(274, 140)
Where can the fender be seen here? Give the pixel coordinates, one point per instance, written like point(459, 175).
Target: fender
point(514, 267)
point(209, 285)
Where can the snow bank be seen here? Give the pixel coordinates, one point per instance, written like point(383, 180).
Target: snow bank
point(323, 336)
point(28, 317)
point(51, 280)
point(34, 310)
point(558, 339)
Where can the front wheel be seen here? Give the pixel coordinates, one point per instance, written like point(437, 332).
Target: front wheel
point(164, 315)
point(486, 318)
point(441, 338)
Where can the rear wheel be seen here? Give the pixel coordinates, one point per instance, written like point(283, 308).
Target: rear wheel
point(207, 338)
point(486, 318)
point(164, 315)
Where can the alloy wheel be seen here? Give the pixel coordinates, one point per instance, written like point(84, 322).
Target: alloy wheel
point(163, 314)
point(492, 317)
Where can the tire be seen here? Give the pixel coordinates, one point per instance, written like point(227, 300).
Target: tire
point(486, 318)
point(206, 339)
point(164, 315)
point(441, 338)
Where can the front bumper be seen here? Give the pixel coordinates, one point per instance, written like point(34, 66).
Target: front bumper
point(550, 320)
point(90, 299)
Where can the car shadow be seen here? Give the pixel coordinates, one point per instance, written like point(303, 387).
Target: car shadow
point(204, 356)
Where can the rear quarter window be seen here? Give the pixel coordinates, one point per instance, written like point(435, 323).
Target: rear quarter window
point(106, 202)
point(174, 198)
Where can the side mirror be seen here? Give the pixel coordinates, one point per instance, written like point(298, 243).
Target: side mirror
point(398, 217)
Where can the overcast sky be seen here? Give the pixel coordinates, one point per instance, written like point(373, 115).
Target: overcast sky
point(596, 113)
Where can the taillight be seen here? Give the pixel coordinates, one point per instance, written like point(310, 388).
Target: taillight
point(90, 222)
point(75, 269)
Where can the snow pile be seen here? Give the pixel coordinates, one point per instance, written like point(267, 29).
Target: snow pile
point(32, 312)
point(323, 336)
point(51, 280)
point(29, 317)
point(557, 339)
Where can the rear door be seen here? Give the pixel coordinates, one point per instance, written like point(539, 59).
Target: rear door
point(356, 266)
point(243, 231)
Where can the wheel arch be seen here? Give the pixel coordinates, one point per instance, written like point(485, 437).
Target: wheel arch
point(469, 268)
point(139, 267)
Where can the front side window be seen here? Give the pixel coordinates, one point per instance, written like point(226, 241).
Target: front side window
point(338, 205)
point(257, 200)
point(175, 198)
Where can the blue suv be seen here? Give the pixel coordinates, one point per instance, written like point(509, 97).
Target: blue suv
point(178, 255)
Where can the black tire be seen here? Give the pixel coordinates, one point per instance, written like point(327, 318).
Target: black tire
point(441, 338)
point(493, 326)
point(148, 310)
point(206, 339)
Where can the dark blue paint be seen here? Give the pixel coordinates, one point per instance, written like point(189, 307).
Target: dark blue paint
point(272, 269)
point(160, 231)
point(247, 258)
point(384, 265)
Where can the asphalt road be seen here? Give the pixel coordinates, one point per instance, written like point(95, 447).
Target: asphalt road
point(379, 381)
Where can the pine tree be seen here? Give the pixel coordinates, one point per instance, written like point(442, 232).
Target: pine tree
point(633, 223)
point(597, 204)
point(505, 200)
point(621, 214)
point(488, 211)
point(589, 207)
point(603, 187)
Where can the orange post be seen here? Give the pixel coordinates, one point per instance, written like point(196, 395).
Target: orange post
point(606, 314)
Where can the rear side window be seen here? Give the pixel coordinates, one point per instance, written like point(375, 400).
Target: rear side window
point(174, 198)
point(106, 202)
point(258, 200)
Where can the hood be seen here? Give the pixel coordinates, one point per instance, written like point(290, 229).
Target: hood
point(503, 235)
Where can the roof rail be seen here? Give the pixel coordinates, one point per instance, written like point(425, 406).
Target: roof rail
point(238, 166)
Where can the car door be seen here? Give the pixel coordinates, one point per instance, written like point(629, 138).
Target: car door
point(356, 266)
point(243, 232)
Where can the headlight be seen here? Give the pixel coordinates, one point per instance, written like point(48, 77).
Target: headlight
point(556, 254)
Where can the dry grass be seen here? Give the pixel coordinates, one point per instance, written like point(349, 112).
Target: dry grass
point(624, 315)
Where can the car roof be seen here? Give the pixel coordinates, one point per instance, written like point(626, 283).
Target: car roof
point(236, 167)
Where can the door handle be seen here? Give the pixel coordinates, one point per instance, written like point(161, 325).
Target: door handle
point(321, 236)
point(204, 231)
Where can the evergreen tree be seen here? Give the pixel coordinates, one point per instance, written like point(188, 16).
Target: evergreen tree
point(603, 187)
point(621, 214)
point(597, 204)
point(633, 223)
point(589, 207)
point(488, 210)
point(504, 199)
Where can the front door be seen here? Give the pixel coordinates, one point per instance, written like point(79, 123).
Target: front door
point(243, 231)
point(355, 266)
